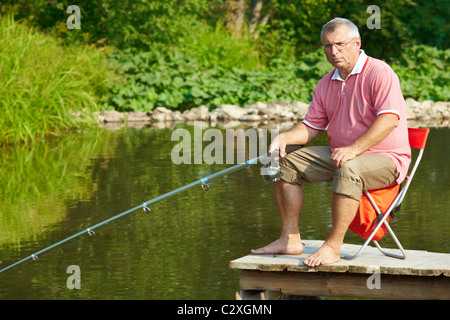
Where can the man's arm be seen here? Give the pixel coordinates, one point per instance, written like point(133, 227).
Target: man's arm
point(377, 132)
point(300, 134)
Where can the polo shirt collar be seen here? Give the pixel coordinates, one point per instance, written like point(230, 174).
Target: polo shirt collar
point(359, 66)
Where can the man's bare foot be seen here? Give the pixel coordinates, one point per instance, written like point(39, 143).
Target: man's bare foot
point(325, 255)
point(292, 246)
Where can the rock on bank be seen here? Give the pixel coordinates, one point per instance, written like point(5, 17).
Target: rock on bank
point(260, 112)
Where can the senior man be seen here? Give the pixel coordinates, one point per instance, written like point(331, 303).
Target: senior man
point(362, 109)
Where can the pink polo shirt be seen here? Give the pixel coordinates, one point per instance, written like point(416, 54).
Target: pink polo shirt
point(347, 108)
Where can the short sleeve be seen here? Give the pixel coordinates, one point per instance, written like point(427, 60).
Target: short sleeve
point(316, 117)
point(386, 93)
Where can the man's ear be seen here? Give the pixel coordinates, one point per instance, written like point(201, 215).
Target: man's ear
point(358, 42)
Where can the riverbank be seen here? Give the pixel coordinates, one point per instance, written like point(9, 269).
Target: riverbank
point(433, 114)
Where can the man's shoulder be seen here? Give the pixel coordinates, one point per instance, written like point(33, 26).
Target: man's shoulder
point(375, 65)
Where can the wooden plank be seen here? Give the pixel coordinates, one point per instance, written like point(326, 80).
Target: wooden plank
point(417, 263)
point(346, 285)
point(432, 264)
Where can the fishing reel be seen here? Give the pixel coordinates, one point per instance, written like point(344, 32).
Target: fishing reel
point(271, 174)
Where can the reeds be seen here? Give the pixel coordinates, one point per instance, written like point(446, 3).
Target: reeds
point(44, 84)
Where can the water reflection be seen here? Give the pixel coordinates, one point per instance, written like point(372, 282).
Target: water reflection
point(182, 248)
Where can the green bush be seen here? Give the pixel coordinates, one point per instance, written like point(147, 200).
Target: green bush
point(424, 73)
point(174, 80)
point(44, 83)
point(215, 47)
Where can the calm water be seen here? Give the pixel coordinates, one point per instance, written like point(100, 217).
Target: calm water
point(180, 250)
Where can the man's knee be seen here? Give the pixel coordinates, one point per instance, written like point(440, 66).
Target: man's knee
point(347, 182)
point(348, 172)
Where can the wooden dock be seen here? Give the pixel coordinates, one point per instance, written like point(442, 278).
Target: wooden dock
point(422, 275)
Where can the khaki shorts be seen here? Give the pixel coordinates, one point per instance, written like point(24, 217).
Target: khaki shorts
point(312, 164)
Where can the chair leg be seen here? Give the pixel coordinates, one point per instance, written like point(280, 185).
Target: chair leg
point(351, 257)
point(403, 256)
point(399, 245)
point(383, 221)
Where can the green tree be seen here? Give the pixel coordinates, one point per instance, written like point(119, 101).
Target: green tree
point(283, 27)
point(294, 25)
point(124, 24)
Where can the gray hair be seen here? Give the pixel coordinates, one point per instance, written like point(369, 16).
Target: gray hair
point(332, 25)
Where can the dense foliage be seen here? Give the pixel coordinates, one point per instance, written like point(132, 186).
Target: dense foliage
point(177, 81)
point(295, 24)
point(174, 80)
point(424, 73)
point(185, 53)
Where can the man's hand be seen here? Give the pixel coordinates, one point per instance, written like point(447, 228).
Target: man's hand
point(341, 155)
point(377, 132)
point(278, 145)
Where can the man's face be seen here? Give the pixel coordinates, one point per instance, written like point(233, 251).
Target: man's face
point(341, 51)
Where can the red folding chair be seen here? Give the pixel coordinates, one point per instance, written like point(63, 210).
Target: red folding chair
point(417, 140)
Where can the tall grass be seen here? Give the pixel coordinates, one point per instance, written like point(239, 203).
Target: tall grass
point(44, 83)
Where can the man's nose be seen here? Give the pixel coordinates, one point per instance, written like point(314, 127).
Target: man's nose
point(334, 50)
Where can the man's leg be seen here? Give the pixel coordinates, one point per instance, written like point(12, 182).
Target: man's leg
point(369, 171)
point(343, 210)
point(289, 195)
point(289, 198)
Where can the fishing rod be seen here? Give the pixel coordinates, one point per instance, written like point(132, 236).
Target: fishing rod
point(271, 174)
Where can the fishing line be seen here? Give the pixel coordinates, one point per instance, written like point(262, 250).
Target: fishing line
point(272, 175)
point(144, 206)
point(65, 244)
